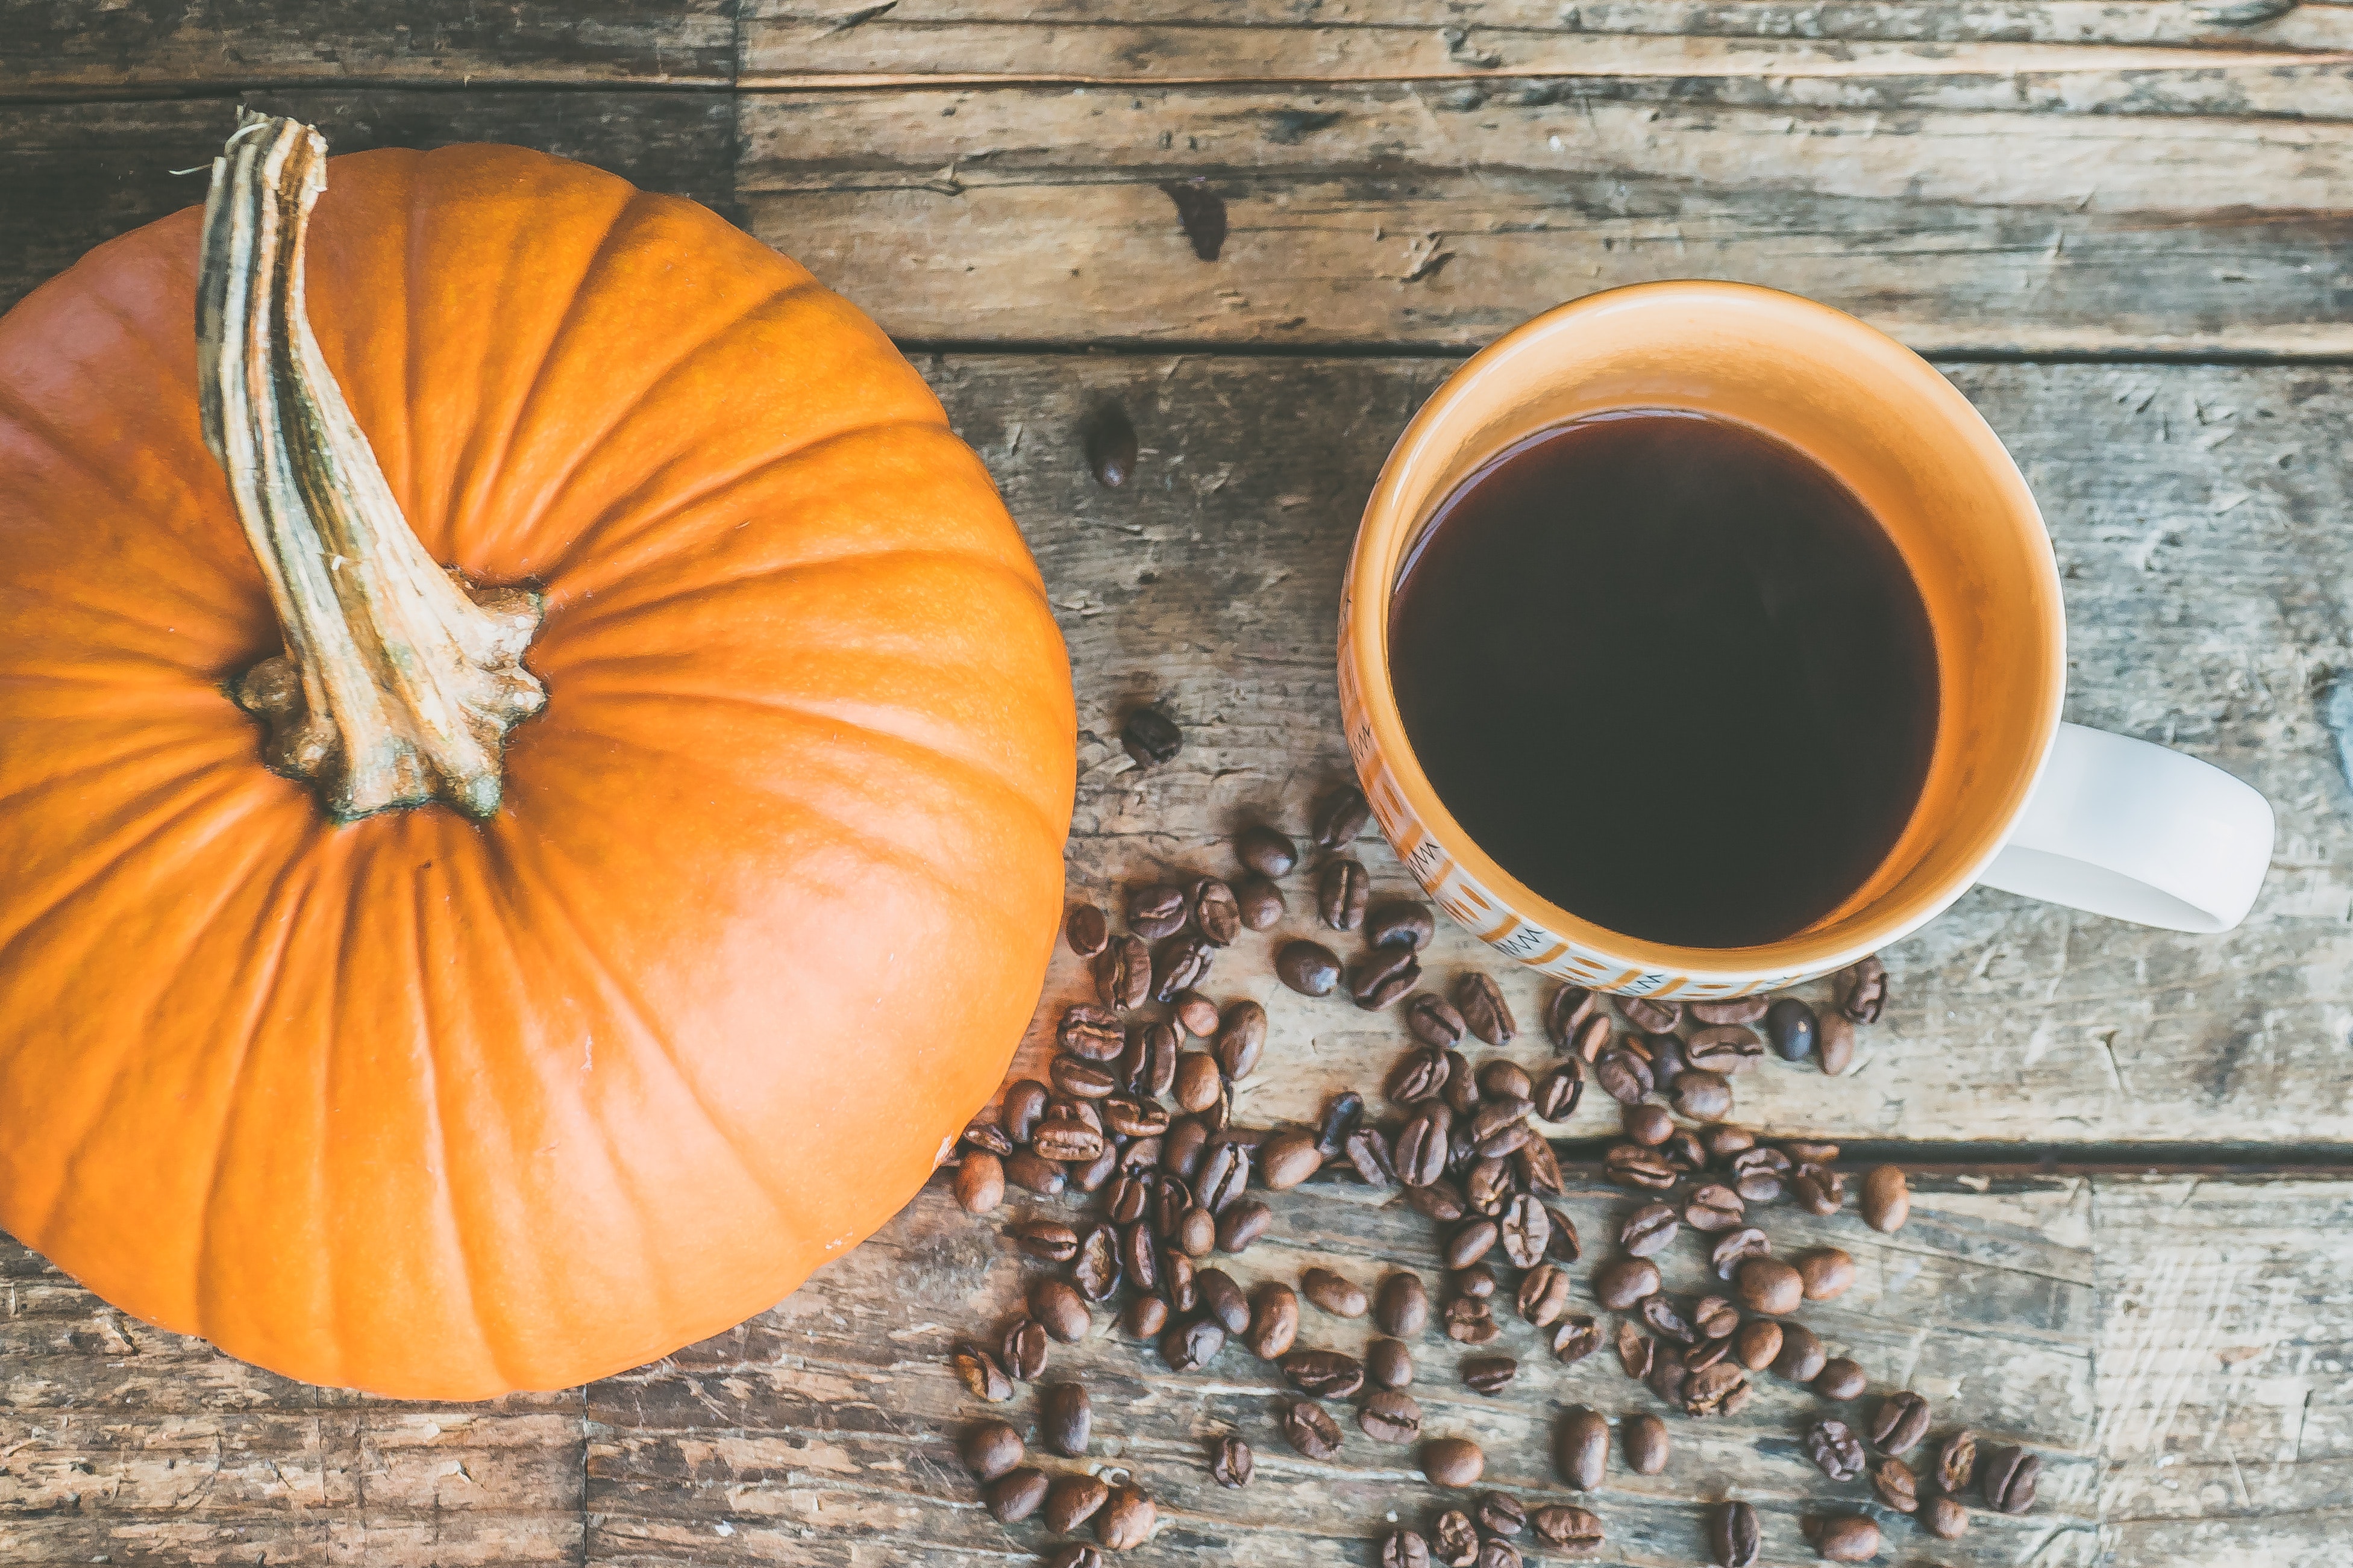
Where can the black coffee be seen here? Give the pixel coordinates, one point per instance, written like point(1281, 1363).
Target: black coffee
point(1671, 674)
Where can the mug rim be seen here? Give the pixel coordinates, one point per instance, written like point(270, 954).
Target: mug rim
point(1389, 510)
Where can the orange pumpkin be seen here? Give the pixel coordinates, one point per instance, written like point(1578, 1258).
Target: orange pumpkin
point(440, 1105)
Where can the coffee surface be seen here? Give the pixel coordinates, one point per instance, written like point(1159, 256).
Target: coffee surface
point(1669, 672)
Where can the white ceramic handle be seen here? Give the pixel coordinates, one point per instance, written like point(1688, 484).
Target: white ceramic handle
point(2120, 828)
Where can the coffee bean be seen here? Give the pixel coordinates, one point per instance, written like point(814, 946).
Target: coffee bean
point(1818, 1190)
point(1647, 1124)
point(1622, 1281)
point(1863, 990)
point(1022, 1353)
point(1500, 1515)
point(1461, 1090)
point(1840, 1379)
point(1266, 851)
point(1066, 1419)
point(990, 1448)
point(1536, 1168)
point(1308, 968)
point(1421, 1146)
point(1733, 1535)
point(1474, 1281)
point(1231, 1463)
point(1274, 1320)
point(1724, 1144)
point(1024, 1107)
point(1556, 1095)
point(1525, 1230)
point(1242, 1224)
point(1454, 1540)
point(1758, 1175)
point(1726, 1050)
point(985, 1135)
point(1259, 902)
point(1703, 1096)
point(1731, 1010)
point(1091, 1032)
point(1591, 1039)
point(1574, 1338)
point(1309, 1427)
point(1341, 893)
point(1097, 1268)
point(1286, 1160)
point(1144, 1317)
point(1770, 1286)
point(1573, 1530)
point(1241, 1038)
point(1196, 1014)
point(1636, 1351)
point(1061, 1310)
point(1623, 1076)
point(1155, 910)
point(1389, 1417)
point(1900, 1422)
point(1139, 1253)
point(1182, 1149)
point(1452, 1462)
point(1652, 1015)
point(1943, 1518)
point(1848, 1538)
point(1565, 1010)
point(1074, 1554)
point(1127, 1520)
point(1389, 1364)
point(1646, 1444)
point(1213, 909)
point(1080, 1080)
point(1401, 1308)
point(1668, 1375)
point(1736, 1247)
point(1665, 1055)
point(1181, 963)
point(1799, 1357)
point(1192, 1345)
point(1789, 1025)
point(1418, 1075)
point(1440, 1201)
point(1712, 1208)
point(1706, 1353)
point(1671, 1324)
point(1123, 973)
point(1342, 1114)
point(1835, 1450)
point(1545, 1295)
point(1808, 1150)
point(1714, 1318)
point(1382, 976)
point(1886, 1199)
point(1649, 1230)
point(1834, 1049)
point(1399, 925)
point(1197, 1081)
point(1404, 1549)
point(1497, 1552)
point(1326, 1374)
point(1470, 1242)
point(1471, 1321)
point(1488, 1374)
point(1896, 1486)
point(1827, 1272)
point(1631, 1165)
point(1221, 1300)
point(1757, 1344)
point(1335, 1293)
point(1580, 1448)
point(1956, 1461)
point(1085, 930)
point(2009, 1477)
point(979, 1182)
point(1049, 1239)
point(1015, 1495)
point(1480, 1002)
point(981, 1376)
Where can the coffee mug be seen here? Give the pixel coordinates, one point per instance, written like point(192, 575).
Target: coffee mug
point(2013, 798)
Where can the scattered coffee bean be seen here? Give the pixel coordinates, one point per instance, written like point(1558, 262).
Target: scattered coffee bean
point(1266, 851)
point(1341, 817)
point(1757, 1344)
point(1561, 1246)
point(1956, 1461)
point(1421, 1145)
point(1724, 1050)
point(1565, 1011)
point(1488, 1374)
point(1733, 1535)
point(1840, 1379)
point(1389, 1417)
point(1308, 968)
point(1714, 1318)
point(1545, 1295)
point(1182, 1149)
point(1631, 1165)
point(1896, 1486)
point(1480, 1002)
point(1402, 1307)
point(1388, 1363)
point(1636, 1351)
point(1649, 1230)
point(1808, 1150)
point(1024, 1108)
point(1124, 972)
point(990, 1448)
point(1886, 1199)
point(1500, 1514)
point(1196, 1014)
point(1863, 991)
point(1404, 1549)
point(1309, 1427)
point(1061, 1311)
point(1335, 1293)
point(1368, 1152)
point(1834, 1051)
point(1274, 1320)
point(1420, 1075)
point(1074, 1554)
point(1574, 1338)
point(1097, 1268)
point(1066, 1419)
point(1086, 930)
point(1590, 1040)
point(1770, 1286)
point(1399, 925)
point(979, 1182)
point(1341, 894)
point(1732, 1010)
point(1736, 1249)
point(1197, 1081)
point(1474, 1281)
point(1789, 1025)
point(1556, 1093)
point(1181, 963)
point(1713, 1207)
point(1471, 1321)
point(1192, 1345)
point(1145, 1317)
point(2009, 1477)
point(1703, 1096)
point(1080, 1080)
point(1049, 1239)
point(1015, 1495)
point(1461, 1090)
point(1706, 1353)
point(1241, 1040)
point(1726, 1143)
point(1759, 1174)
point(1217, 913)
point(1848, 1538)
point(1646, 1444)
point(1943, 1518)
point(1155, 910)
point(1622, 1281)
point(1835, 1450)
point(1127, 1520)
point(1231, 1463)
point(1580, 1448)
point(1326, 1374)
point(1575, 1530)
point(1221, 1300)
point(1260, 902)
point(1647, 1123)
point(1243, 1223)
point(1382, 976)
point(1452, 1462)
point(985, 1135)
point(1818, 1189)
point(1802, 1357)
point(1669, 1324)
point(1664, 1053)
point(1454, 1539)
point(1196, 1232)
point(1900, 1422)
point(1623, 1076)
point(1827, 1272)
point(1342, 1114)
point(1288, 1159)
point(1022, 1353)
point(980, 1375)
point(1652, 1015)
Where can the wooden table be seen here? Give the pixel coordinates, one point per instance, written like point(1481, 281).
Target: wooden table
point(2120, 228)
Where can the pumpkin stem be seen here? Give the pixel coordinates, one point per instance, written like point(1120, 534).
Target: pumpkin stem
point(400, 679)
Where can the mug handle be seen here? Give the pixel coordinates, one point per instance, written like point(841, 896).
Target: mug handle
point(2118, 827)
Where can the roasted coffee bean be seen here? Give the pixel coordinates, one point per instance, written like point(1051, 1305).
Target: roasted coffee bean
point(1591, 1039)
point(1561, 1246)
point(1500, 1514)
point(1015, 1495)
point(1367, 1152)
point(1573, 1530)
point(1274, 1320)
point(1652, 1015)
point(1081, 1079)
point(1242, 1224)
point(1022, 1352)
point(1631, 1165)
point(1471, 1321)
point(1789, 1025)
point(1896, 1486)
point(1770, 1286)
point(1545, 1295)
point(1724, 1050)
point(1231, 1463)
point(1036, 1172)
point(1240, 1039)
point(1557, 1094)
point(1848, 1538)
point(1713, 1207)
point(1219, 1299)
point(1646, 1444)
point(1421, 1146)
point(1487, 1186)
point(1461, 1090)
point(1061, 1310)
point(1074, 1554)
point(1216, 912)
point(1342, 1113)
point(1139, 1254)
point(1440, 1201)
point(1580, 1448)
point(1622, 1281)
point(1382, 976)
point(1334, 1293)
point(1703, 1096)
point(1340, 895)
point(1086, 930)
point(1649, 1230)
point(1066, 1419)
point(1808, 1150)
point(1800, 1358)
point(1155, 910)
point(1171, 1196)
point(1526, 1228)
point(2008, 1476)
point(1635, 1349)
point(1454, 1539)
point(1399, 925)
point(1149, 736)
point(1956, 1461)
point(1288, 1159)
point(1733, 1535)
point(1706, 1353)
point(1181, 963)
point(1488, 1374)
point(1818, 1189)
point(1308, 968)
point(1151, 1060)
point(1418, 1075)
point(1733, 1010)
point(1091, 1032)
point(1480, 1002)
point(1475, 1280)
point(1726, 1143)
point(1574, 1338)
point(1840, 1379)
point(1665, 1055)
point(990, 1448)
point(981, 1376)
point(1565, 1010)
point(1266, 851)
point(1096, 1269)
point(1900, 1422)
point(1669, 1324)
point(1496, 1553)
point(1326, 1374)
point(1127, 1520)
point(979, 1182)
point(1192, 1345)
point(1668, 1375)
point(1144, 1317)
point(1024, 1108)
point(1943, 1518)
point(984, 1134)
point(1196, 1014)
point(1309, 1427)
point(1863, 990)
point(1341, 817)
point(1452, 1462)
point(1131, 1118)
point(1197, 1081)
point(1389, 1364)
point(1141, 1160)
point(1535, 1167)
point(1646, 1125)
point(1714, 1318)
point(1499, 1129)
point(1389, 1417)
point(1401, 1308)
point(1757, 1344)
point(1470, 1242)
point(1623, 1076)
point(1736, 1249)
point(1049, 1239)
point(1835, 1450)
point(1259, 902)
point(1123, 973)
point(1827, 1272)
point(1758, 1175)
point(1404, 1549)
point(1834, 1052)
point(1886, 1199)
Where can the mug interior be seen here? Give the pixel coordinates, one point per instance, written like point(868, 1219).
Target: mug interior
point(1891, 429)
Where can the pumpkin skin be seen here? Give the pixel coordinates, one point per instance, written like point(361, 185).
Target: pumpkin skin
point(440, 1109)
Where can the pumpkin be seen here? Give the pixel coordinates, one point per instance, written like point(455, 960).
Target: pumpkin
point(547, 838)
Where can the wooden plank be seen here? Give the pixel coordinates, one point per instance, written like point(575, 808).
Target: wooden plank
point(2105, 214)
point(72, 176)
point(122, 46)
point(2226, 1399)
